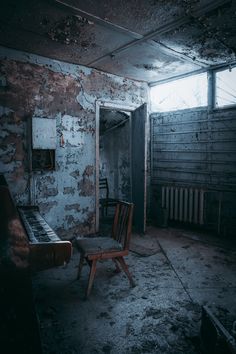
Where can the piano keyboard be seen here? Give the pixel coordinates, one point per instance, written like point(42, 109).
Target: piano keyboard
point(46, 248)
point(37, 228)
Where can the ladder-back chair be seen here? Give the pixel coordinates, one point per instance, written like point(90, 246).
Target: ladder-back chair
point(105, 200)
point(115, 247)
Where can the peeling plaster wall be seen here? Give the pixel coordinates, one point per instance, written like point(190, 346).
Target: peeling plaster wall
point(31, 86)
point(115, 161)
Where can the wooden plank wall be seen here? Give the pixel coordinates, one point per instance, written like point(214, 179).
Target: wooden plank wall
point(197, 148)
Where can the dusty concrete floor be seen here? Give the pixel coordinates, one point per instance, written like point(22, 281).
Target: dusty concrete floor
point(160, 315)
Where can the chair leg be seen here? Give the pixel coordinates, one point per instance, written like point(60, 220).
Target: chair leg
point(91, 277)
point(81, 263)
point(126, 270)
point(117, 266)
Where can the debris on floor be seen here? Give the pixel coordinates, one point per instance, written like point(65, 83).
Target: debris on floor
point(162, 314)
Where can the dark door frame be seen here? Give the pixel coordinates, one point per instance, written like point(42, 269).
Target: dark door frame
point(121, 107)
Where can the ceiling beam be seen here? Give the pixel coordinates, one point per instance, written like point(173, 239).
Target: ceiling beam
point(170, 51)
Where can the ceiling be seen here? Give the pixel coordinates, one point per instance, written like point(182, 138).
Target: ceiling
point(111, 119)
point(148, 40)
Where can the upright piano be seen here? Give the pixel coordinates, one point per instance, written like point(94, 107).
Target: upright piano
point(46, 248)
point(26, 242)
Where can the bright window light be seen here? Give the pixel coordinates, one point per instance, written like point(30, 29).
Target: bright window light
point(184, 93)
point(226, 88)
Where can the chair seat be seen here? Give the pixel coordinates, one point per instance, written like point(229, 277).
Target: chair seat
point(96, 245)
point(115, 247)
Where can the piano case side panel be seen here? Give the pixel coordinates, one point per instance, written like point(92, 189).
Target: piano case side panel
point(49, 255)
point(19, 329)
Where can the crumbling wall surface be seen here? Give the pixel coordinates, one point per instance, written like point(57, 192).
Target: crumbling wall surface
point(33, 86)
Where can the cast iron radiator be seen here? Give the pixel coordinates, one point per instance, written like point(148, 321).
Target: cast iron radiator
point(185, 204)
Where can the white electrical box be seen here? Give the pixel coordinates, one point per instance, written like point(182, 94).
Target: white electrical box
point(44, 133)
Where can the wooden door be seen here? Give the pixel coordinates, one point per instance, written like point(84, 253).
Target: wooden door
point(138, 153)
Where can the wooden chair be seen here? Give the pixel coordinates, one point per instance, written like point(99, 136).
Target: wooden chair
point(105, 201)
point(115, 247)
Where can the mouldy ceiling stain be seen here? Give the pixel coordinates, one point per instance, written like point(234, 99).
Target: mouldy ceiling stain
point(187, 5)
point(72, 30)
point(148, 67)
point(139, 16)
point(209, 38)
point(54, 31)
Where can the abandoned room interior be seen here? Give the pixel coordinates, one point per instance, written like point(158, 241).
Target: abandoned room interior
point(117, 176)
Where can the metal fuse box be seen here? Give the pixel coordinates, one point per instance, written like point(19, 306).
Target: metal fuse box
point(44, 134)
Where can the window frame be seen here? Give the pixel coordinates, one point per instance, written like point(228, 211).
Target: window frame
point(201, 72)
point(212, 88)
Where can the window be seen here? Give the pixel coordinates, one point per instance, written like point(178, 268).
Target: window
point(226, 87)
point(184, 93)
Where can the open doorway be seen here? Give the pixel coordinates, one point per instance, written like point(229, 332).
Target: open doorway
point(121, 157)
point(114, 163)
point(114, 153)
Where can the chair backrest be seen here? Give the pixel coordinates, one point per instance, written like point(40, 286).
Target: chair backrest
point(103, 184)
point(122, 224)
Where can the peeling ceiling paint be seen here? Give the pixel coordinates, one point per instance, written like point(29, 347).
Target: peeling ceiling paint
point(144, 40)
